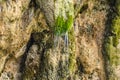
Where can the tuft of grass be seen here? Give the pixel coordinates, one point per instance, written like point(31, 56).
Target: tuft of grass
point(63, 25)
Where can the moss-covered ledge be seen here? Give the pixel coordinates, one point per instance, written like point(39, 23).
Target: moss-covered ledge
point(112, 46)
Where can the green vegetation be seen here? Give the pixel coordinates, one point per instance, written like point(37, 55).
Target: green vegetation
point(112, 52)
point(72, 50)
point(62, 25)
point(111, 44)
point(71, 62)
point(112, 40)
point(116, 30)
point(2, 0)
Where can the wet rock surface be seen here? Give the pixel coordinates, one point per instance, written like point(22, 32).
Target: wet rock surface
point(29, 50)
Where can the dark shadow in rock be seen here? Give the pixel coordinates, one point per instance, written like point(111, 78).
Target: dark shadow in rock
point(23, 58)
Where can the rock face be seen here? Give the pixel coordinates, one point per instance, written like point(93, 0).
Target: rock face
point(59, 40)
point(13, 32)
point(112, 42)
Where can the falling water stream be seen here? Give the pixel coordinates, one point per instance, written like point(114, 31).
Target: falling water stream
point(57, 42)
point(66, 40)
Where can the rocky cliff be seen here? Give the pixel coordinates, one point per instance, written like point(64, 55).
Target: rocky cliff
point(59, 40)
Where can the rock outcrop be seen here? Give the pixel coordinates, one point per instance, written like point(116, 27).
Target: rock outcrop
point(59, 40)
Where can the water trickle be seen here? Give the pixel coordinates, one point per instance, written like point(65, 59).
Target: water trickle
point(66, 39)
point(58, 43)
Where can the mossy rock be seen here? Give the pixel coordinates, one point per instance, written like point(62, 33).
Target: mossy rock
point(63, 25)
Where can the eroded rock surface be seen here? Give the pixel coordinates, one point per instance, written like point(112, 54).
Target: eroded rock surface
point(30, 50)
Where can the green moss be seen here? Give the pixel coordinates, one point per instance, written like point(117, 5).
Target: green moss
point(112, 41)
point(2, 1)
point(72, 51)
point(112, 52)
point(111, 44)
point(116, 30)
point(63, 25)
point(71, 62)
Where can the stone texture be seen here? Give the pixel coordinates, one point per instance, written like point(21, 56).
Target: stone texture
point(13, 35)
point(29, 49)
point(111, 43)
